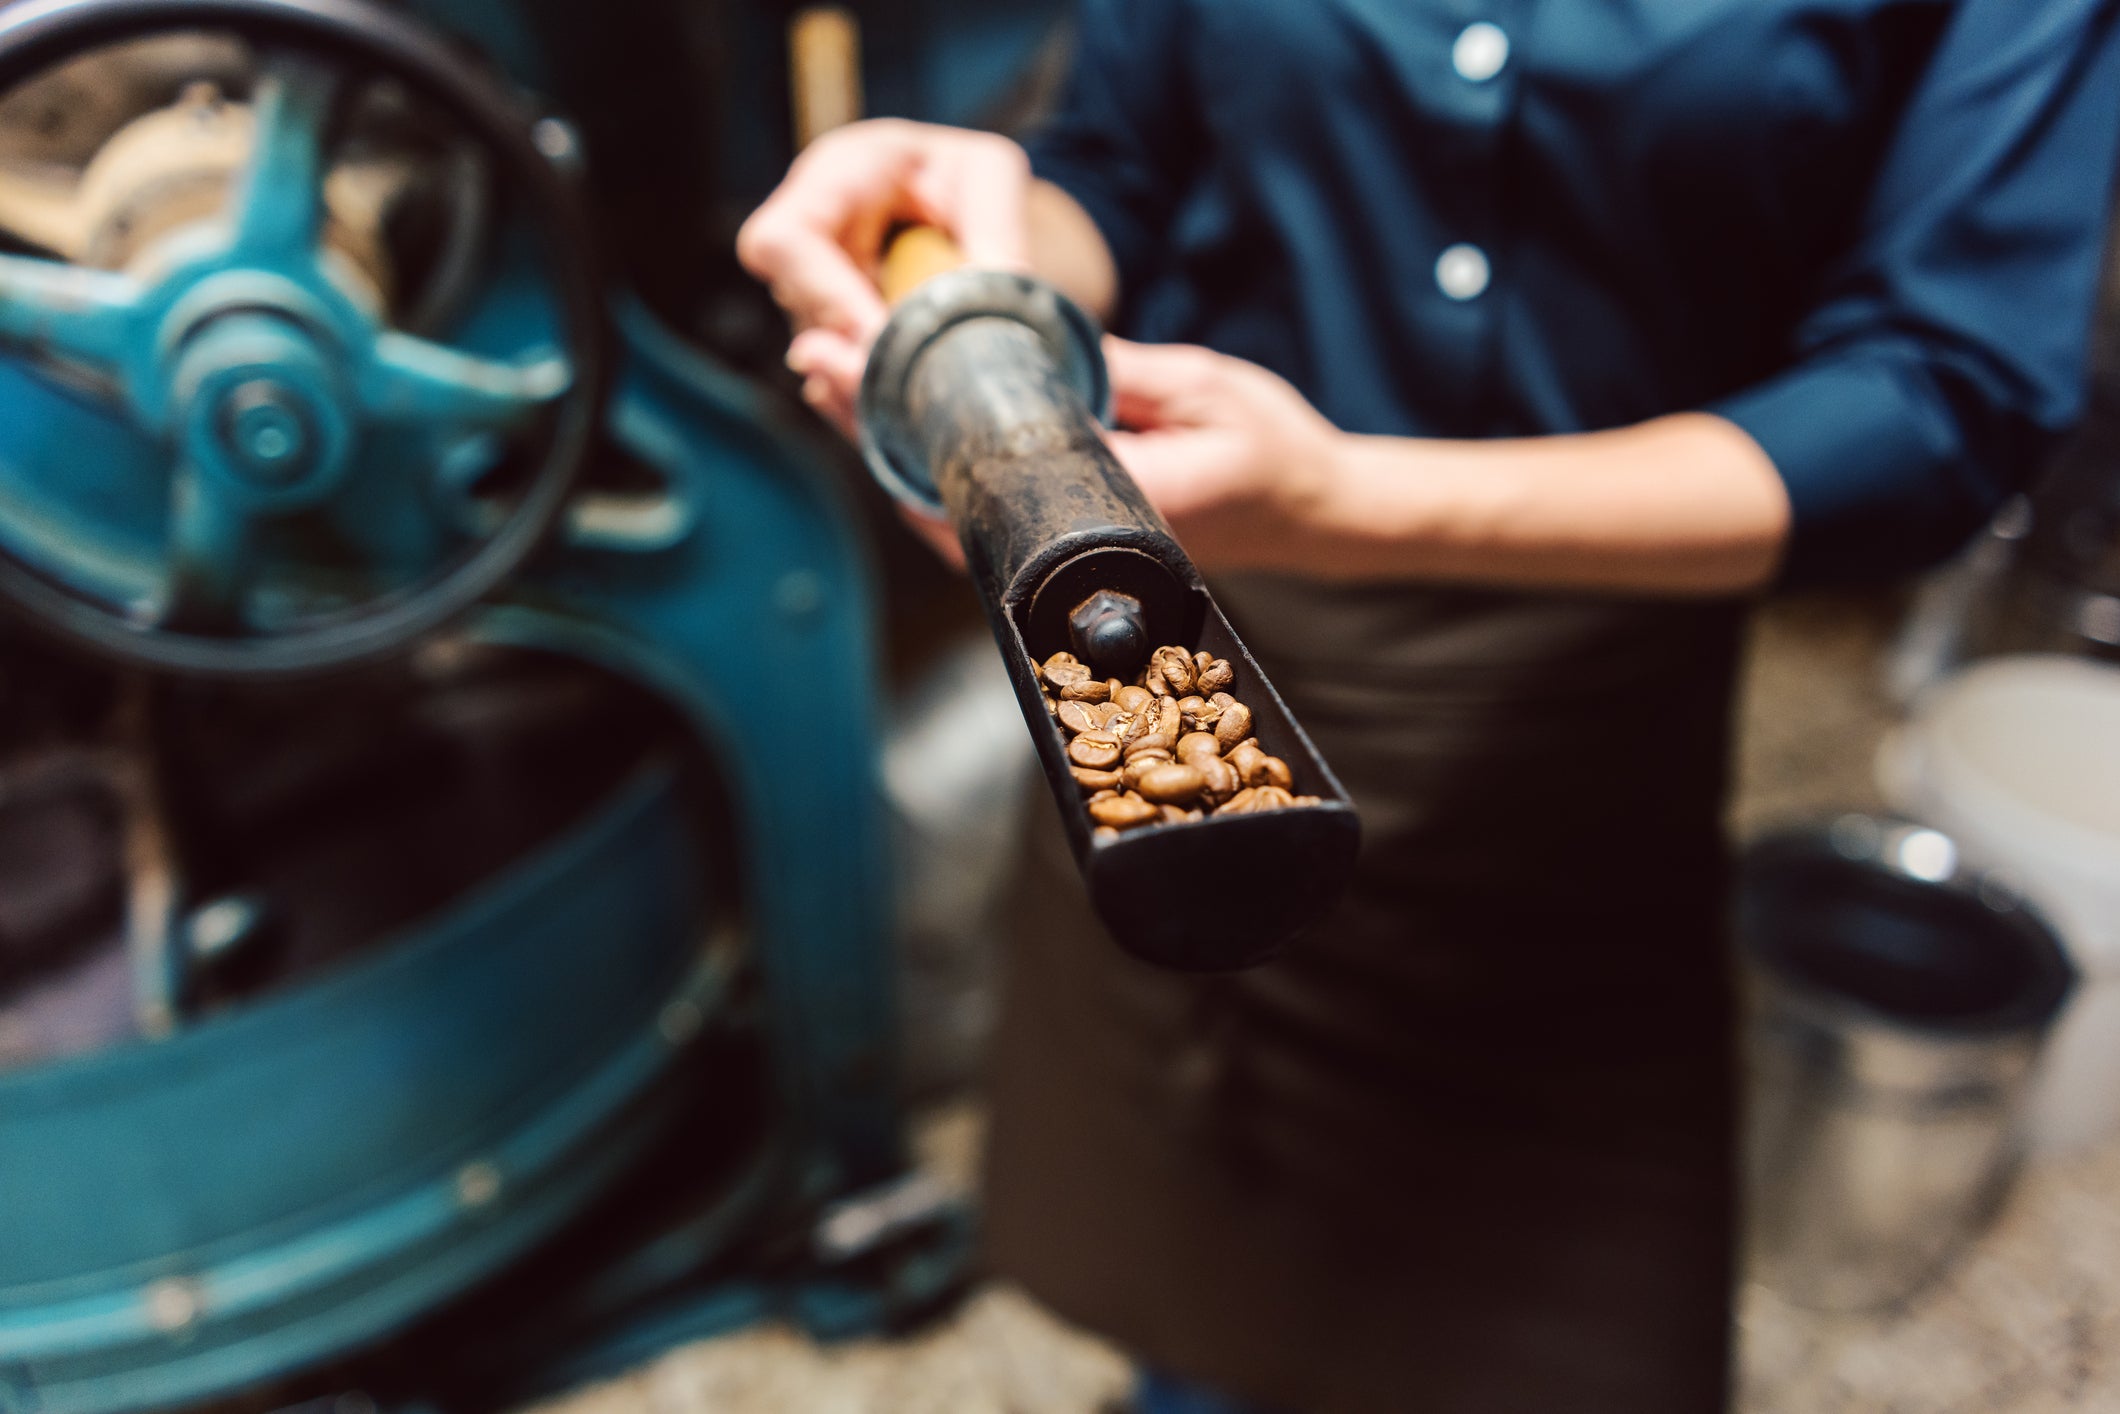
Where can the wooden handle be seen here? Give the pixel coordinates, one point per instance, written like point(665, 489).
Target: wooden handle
point(824, 70)
point(915, 256)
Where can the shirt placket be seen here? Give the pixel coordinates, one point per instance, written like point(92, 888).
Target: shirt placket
point(1474, 87)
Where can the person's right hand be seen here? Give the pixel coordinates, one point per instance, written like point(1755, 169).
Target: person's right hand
point(817, 242)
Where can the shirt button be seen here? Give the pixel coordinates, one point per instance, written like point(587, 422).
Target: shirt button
point(1480, 52)
point(1462, 272)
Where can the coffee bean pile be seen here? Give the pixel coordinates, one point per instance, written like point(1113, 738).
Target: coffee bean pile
point(1167, 748)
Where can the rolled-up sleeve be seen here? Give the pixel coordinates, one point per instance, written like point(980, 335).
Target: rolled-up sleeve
point(1946, 355)
point(1126, 130)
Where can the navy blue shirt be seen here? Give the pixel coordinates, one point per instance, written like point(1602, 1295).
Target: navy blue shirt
point(1867, 231)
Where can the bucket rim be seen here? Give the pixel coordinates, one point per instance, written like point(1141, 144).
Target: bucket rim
point(1911, 856)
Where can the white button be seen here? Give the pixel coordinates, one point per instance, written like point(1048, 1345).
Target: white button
point(1462, 272)
point(1480, 52)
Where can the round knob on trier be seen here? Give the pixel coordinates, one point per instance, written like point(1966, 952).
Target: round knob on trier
point(1108, 633)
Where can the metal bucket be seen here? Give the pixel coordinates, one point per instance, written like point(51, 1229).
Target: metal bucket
point(1899, 1003)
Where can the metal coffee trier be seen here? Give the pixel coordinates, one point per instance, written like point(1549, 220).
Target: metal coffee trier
point(978, 403)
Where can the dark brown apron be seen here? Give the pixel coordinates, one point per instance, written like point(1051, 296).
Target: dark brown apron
point(1468, 1148)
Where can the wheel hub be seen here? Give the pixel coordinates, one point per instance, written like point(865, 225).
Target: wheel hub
point(263, 411)
point(266, 430)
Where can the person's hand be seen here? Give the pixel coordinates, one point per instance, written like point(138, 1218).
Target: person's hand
point(818, 240)
point(1231, 454)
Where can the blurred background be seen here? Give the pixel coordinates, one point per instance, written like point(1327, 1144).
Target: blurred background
point(504, 837)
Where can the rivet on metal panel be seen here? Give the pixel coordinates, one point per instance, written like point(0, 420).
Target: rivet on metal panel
point(220, 927)
point(173, 1304)
point(556, 138)
point(680, 1021)
point(478, 1183)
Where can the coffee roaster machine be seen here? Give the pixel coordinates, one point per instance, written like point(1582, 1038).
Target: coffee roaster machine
point(443, 906)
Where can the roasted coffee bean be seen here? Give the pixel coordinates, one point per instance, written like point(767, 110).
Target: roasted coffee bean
point(1164, 742)
point(1175, 668)
point(1169, 720)
point(1099, 751)
point(1172, 784)
point(1244, 758)
point(1064, 674)
point(1124, 812)
point(1136, 770)
point(1078, 717)
point(1168, 747)
point(1197, 744)
point(1221, 778)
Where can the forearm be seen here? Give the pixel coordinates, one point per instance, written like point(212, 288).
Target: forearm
point(1686, 504)
point(1068, 250)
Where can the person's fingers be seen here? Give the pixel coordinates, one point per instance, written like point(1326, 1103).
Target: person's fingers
point(814, 238)
point(938, 534)
point(1178, 470)
point(830, 365)
point(817, 239)
point(832, 404)
point(830, 355)
point(980, 194)
point(1155, 385)
point(816, 281)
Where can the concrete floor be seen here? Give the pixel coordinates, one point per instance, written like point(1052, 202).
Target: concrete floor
point(2027, 1323)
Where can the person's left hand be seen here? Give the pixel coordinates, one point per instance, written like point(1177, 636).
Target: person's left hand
point(1231, 454)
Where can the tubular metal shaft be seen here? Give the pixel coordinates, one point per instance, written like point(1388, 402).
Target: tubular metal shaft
point(978, 401)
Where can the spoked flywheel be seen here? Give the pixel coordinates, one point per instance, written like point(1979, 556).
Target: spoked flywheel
point(278, 476)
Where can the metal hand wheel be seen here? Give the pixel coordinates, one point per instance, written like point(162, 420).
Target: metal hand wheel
point(305, 514)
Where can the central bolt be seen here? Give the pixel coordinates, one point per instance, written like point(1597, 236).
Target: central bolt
point(266, 430)
point(1109, 633)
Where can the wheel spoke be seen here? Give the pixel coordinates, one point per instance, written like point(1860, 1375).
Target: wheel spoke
point(209, 545)
point(415, 381)
point(70, 311)
point(279, 204)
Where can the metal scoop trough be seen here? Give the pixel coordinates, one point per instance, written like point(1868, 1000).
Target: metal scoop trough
point(978, 403)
